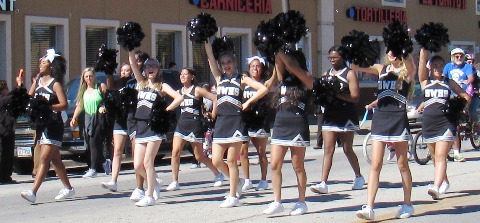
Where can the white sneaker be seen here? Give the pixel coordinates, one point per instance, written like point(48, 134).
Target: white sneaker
point(229, 202)
point(107, 166)
point(110, 185)
point(91, 173)
point(262, 185)
point(320, 188)
point(195, 166)
point(173, 186)
point(299, 209)
point(137, 194)
point(65, 193)
point(405, 211)
point(391, 155)
point(247, 185)
point(218, 181)
point(29, 195)
point(156, 190)
point(358, 183)
point(239, 187)
point(433, 191)
point(366, 213)
point(145, 201)
point(444, 187)
point(273, 208)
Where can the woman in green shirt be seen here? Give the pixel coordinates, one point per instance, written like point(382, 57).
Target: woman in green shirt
point(89, 98)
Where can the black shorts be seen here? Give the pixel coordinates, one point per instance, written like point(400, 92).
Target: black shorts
point(437, 128)
point(146, 134)
point(340, 120)
point(291, 131)
point(189, 128)
point(390, 126)
point(229, 129)
point(53, 133)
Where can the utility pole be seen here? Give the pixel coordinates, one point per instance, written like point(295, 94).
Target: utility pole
point(285, 5)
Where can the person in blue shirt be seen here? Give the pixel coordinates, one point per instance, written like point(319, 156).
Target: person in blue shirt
point(463, 74)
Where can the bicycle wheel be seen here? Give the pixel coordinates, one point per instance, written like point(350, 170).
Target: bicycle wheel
point(475, 138)
point(367, 148)
point(420, 150)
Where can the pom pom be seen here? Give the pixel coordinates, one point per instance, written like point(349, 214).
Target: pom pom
point(432, 36)
point(160, 118)
point(207, 123)
point(325, 90)
point(128, 103)
point(39, 111)
point(130, 35)
point(291, 25)
point(396, 39)
point(202, 27)
point(359, 50)
point(455, 108)
point(220, 45)
point(106, 60)
point(18, 104)
point(254, 116)
point(268, 40)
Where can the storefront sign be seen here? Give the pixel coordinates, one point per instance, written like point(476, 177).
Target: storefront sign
point(458, 4)
point(378, 15)
point(7, 5)
point(249, 6)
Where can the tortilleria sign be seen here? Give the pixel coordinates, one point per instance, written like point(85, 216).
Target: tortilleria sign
point(7, 5)
point(458, 4)
point(378, 15)
point(249, 6)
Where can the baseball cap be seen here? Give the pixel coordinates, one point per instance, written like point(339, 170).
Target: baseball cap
point(456, 51)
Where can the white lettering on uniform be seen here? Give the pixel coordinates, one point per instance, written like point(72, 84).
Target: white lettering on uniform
point(434, 93)
point(187, 102)
point(283, 90)
point(231, 91)
point(248, 94)
point(387, 85)
point(46, 96)
point(150, 96)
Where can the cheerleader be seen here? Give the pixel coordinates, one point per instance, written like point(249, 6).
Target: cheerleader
point(340, 119)
point(228, 131)
point(189, 127)
point(260, 131)
point(290, 129)
point(147, 141)
point(437, 128)
point(49, 84)
point(390, 124)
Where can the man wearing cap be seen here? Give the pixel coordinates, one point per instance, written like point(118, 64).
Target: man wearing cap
point(463, 74)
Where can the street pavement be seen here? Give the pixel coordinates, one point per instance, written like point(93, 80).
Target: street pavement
point(197, 200)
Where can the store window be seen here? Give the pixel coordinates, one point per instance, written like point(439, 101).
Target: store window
point(165, 44)
point(200, 63)
point(42, 33)
point(94, 33)
point(169, 44)
point(5, 49)
point(242, 44)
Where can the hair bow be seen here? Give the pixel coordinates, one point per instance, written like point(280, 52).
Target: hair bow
point(250, 59)
point(51, 55)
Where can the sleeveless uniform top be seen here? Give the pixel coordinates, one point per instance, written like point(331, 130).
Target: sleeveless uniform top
point(146, 98)
point(47, 91)
point(229, 95)
point(436, 94)
point(191, 105)
point(285, 107)
point(248, 92)
point(344, 89)
point(389, 98)
point(92, 100)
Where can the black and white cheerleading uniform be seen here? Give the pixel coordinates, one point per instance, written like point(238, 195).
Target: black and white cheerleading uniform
point(389, 121)
point(120, 128)
point(144, 132)
point(189, 125)
point(435, 124)
point(131, 121)
point(264, 131)
point(291, 125)
point(340, 116)
point(229, 125)
point(53, 133)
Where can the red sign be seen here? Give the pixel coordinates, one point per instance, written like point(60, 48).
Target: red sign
point(249, 6)
point(458, 4)
point(378, 15)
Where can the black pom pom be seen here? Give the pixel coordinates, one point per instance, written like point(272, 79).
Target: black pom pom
point(17, 105)
point(432, 36)
point(160, 118)
point(268, 40)
point(291, 25)
point(39, 111)
point(396, 39)
point(220, 45)
point(455, 108)
point(106, 60)
point(254, 116)
point(202, 27)
point(359, 49)
point(130, 35)
point(325, 90)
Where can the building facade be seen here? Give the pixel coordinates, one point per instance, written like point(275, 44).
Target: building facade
point(78, 28)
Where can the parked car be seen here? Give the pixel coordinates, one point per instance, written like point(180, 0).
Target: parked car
point(73, 147)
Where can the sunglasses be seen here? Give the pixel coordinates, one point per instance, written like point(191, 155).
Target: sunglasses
point(150, 66)
point(459, 56)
